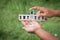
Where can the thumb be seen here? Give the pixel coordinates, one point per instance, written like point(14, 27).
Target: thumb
point(23, 27)
point(38, 13)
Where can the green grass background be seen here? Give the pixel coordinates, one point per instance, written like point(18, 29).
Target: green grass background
point(11, 28)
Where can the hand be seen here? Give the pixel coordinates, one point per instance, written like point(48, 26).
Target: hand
point(43, 12)
point(31, 26)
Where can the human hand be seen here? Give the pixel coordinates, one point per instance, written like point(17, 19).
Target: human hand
point(31, 26)
point(43, 12)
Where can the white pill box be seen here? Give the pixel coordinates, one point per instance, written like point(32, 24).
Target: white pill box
point(31, 17)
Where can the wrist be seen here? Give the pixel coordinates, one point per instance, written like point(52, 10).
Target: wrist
point(38, 30)
point(52, 13)
point(57, 13)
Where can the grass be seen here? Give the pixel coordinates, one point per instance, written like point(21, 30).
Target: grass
point(11, 28)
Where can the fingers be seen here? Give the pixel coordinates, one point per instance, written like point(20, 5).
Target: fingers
point(26, 22)
point(34, 22)
point(38, 13)
point(23, 22)
point(35, 8)
point(25, 28)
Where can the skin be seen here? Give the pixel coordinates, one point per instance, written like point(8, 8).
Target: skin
point(46, 12)
point(37, 28)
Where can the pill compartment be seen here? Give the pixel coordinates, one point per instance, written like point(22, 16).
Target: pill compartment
point(24, 17)
point(32, 12)
point(38, 18)
point(27, 17)
point(43, 17)
point(20, 17)
point(35, 17)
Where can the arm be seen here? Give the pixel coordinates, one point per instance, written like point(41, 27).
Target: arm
point(36, 29)
point(56, 13)
point(44, 35)
point(42, 11)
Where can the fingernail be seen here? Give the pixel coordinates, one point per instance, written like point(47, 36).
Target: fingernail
point(22, 27)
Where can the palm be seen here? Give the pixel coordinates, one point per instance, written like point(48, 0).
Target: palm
point(30, 26)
